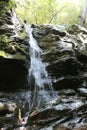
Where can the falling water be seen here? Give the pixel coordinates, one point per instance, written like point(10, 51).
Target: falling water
point(37, 67)
point(38, 76)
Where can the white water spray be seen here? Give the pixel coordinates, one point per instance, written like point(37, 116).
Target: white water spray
point(37, 68)
point(38, 77)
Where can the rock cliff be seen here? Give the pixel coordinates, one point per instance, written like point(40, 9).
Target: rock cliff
point(13, 49)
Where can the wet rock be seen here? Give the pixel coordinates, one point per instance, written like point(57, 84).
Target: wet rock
point(76, 29)
point(82, 55)
point(60, 52)
point(64, 66)
point(14, 51)
point(61, 127)
point(60, 110)
point(7, 108)
point(82, 127)
point(43, 30)
point(83, 91)
point(7, 113)
point(47, 115)
point(68, 92)
point(67, 82)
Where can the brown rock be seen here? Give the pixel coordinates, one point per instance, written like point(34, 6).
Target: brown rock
point(61, 127)
point(83, 127)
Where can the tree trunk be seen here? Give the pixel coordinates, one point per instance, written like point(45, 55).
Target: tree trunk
point(83, 12)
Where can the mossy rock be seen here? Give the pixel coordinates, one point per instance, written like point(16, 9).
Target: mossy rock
point(3, 54)
point(50, 38)
point(83, 52)
point(19, 57)
point(4, 39)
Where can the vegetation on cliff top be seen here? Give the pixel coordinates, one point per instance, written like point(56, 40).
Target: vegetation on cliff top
point(49, 11)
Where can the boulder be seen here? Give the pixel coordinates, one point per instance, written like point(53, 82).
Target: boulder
point(7, 113)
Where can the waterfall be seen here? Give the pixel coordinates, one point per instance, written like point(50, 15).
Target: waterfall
point(37, 67)
point(38, 77)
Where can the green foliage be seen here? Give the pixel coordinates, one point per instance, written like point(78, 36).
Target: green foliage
point(5, 6)
point(11, 4)
point(49, 11)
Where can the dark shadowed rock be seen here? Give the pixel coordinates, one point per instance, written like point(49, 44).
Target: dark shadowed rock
point(67, 82)
point(82, 55)
point(64, 66)
point(13, 74)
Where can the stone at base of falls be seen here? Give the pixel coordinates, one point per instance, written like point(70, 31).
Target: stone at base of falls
point(69, 111)
point(81, 127)
point(82, 91)
point(13, 74)
point(45, 116)
point(61, 127)
point(62, 109)
point(8, 112)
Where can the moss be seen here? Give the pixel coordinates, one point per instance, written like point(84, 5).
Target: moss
point(4, 39)
point(74, 29)
point(11, 4)
point(19, 57)
point(4, 42)
point(50, 38)
point(1, 106)
point(22, 34)
point(3, 54)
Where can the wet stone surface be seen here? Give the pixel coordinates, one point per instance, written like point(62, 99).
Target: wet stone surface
point(68, 108)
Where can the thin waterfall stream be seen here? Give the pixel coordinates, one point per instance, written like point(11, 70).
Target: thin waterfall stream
point(37, 67)
point(39, 82)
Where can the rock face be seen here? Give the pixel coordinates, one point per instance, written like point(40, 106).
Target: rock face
point(13, 49)
point(65, 53)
